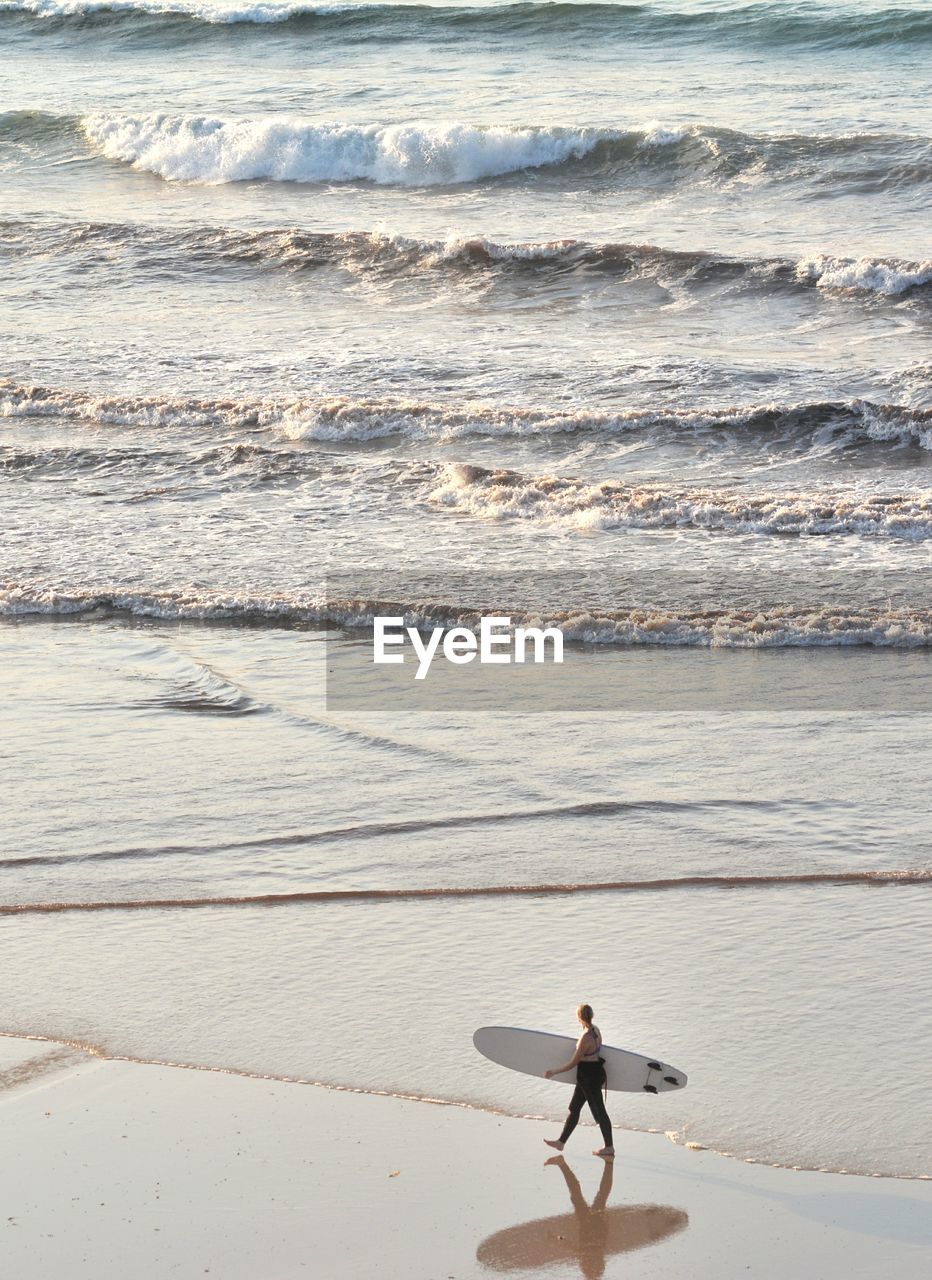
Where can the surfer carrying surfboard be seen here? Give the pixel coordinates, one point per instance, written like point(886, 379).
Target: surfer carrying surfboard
point(590, 1079)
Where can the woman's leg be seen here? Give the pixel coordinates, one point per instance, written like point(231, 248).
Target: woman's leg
point(576, 1106)
point(593, 1092)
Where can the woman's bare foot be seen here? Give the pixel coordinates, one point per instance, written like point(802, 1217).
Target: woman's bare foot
point(607, 1153)
point(556, 1144)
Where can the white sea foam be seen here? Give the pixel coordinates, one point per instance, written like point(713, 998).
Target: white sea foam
point(658, 135)
point(783, 627)
point(580, 504)
point(456, 248)
point(287, 149)
point(877, 275)
point(267, 11)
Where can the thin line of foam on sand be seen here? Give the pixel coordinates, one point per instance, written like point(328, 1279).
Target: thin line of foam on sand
point(98, 1051)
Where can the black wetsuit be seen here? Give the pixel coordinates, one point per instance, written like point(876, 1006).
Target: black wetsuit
point(590, 1077)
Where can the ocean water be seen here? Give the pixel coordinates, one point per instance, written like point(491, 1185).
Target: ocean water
point(612, 314)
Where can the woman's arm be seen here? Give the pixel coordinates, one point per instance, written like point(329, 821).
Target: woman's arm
point(579, 1054)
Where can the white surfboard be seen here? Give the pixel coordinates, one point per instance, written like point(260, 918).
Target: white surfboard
point(534, 1052)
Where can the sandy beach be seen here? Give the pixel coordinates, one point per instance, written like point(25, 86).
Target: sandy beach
point(189, 1173)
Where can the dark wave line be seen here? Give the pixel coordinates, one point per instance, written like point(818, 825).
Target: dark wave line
point(835, 879)
point(467, 258)
point(410, 826)
point(206, 690)
point(767, 25)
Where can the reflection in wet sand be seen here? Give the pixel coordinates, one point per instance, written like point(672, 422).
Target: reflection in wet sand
point(588, 1235)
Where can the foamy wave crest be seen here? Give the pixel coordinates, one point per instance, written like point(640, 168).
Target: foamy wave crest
point(878, 275)
point(727, 628)
point(339, 418)
point(23, 401)
point(500, 495)
point(263, 12)
point(423, 153)
point(204, 149)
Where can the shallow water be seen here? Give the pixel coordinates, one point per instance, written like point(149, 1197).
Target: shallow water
point(201, 765)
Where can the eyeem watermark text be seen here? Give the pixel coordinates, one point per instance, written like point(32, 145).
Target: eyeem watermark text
point(496, 642)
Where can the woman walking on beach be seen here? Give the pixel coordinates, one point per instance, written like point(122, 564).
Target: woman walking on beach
point(590, 1078)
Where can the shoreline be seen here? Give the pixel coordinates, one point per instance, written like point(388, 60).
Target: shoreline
point(206, 1172)
point(82, 1049)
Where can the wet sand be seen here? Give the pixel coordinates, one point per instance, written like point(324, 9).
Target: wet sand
point(191, 1173)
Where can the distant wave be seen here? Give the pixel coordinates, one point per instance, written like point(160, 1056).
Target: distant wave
point(442, 153)
point(582, 504)
point(810, 626)
point(836, 879)
point(341, 419)
point(388, 256)
point(763, 24)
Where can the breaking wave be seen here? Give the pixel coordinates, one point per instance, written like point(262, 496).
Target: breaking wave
point(214, 150)
point(419, 153)
point(202, 149)
point(581, 504)
point(341, 419)
point(720, 628)
point(875, 275)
